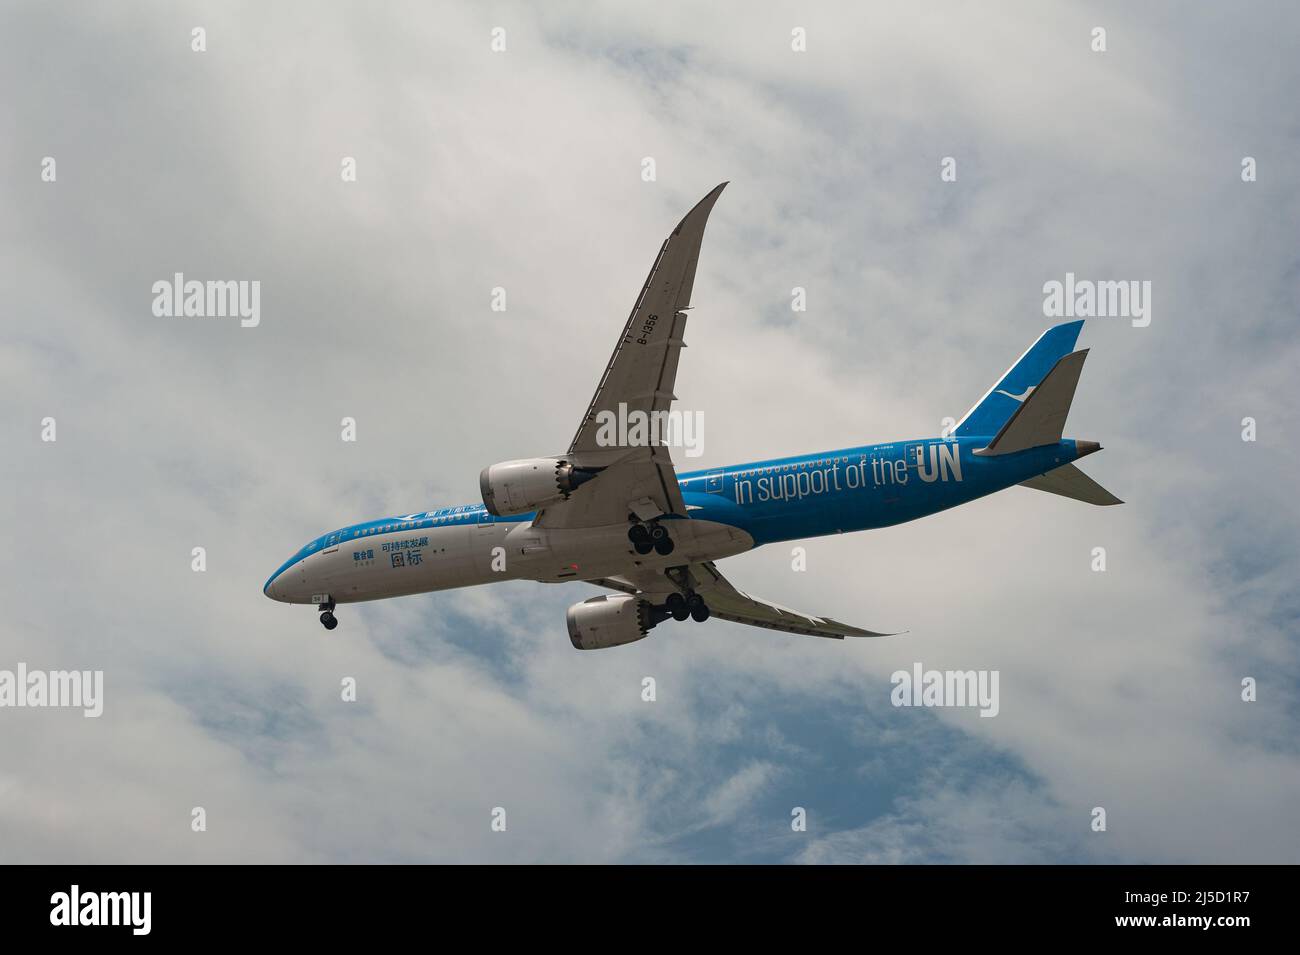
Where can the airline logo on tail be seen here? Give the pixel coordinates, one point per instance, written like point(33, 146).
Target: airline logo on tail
point(1020, 398)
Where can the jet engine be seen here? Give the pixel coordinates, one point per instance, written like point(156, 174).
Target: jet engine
point(517, 487)
point(611, 621)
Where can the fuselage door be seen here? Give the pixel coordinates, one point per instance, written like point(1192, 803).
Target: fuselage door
point(912, 454)
point(713, 481)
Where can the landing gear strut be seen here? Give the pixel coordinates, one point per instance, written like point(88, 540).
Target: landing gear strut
point(327, 618)
point(650, 537)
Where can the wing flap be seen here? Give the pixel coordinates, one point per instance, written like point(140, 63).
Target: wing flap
point(740, 607)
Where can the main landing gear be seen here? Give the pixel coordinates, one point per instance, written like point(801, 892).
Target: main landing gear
point(681, 603)
point(679, 607)
point(682, 606)
point(327, 618)
point(650, 537)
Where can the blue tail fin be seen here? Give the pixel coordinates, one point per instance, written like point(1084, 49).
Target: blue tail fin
point(1001, 401)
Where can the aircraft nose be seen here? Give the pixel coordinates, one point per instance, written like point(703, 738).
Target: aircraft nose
point(291, 583)
point(275, 587)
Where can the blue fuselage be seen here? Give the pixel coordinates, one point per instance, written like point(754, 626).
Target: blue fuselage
point(856, 489)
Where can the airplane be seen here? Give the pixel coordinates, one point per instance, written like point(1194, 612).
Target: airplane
point(617, 515)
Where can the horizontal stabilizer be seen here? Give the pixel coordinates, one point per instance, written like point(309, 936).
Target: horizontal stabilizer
point(1069, 481)
point(1040, 419)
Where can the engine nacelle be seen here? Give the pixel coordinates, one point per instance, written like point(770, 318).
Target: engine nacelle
point(517, 487)
point(609, 621)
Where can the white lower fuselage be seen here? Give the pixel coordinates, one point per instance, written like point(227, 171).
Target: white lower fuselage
point(420, 559)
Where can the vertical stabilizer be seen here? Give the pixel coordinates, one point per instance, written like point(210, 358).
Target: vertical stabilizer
point(1006, 396)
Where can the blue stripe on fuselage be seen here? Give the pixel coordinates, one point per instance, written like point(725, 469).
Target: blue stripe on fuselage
point(355, 533)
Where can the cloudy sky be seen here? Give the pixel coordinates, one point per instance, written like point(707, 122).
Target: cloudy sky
point(523, 169)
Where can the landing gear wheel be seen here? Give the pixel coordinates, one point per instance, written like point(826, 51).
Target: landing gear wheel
point(663, 544)
point(698, 610)
point(328, 620)
point(640, 536)
point(676, 605)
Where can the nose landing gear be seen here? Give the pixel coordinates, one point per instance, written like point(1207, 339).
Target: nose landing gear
point(650, 537)
point(327, 618)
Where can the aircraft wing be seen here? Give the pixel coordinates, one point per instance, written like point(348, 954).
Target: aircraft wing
point(639, 377)
point(728, 603)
